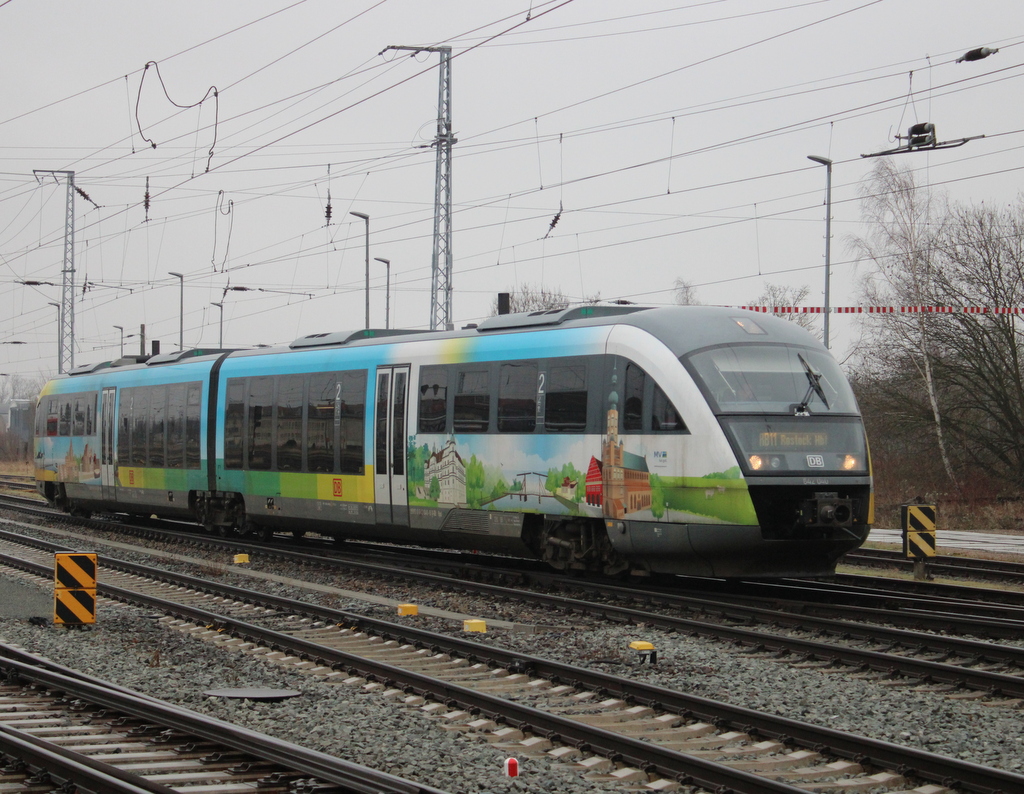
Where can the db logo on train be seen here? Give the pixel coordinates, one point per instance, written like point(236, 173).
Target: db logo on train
point(816, 461)
point(337, 487)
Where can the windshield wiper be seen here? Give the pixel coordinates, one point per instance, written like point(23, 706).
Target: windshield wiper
point(814, 379)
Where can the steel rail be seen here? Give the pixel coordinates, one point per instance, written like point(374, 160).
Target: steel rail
point(974, 566)
point(354, 777)
point(67, 768)
point(932, 671)
point(928, 766)
point(916, 611)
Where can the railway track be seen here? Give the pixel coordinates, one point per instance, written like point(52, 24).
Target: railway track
point(636, 730)
point(932, 658)
point(67, 729)
point(921, 605)
point(17, 482)
point(943, 565)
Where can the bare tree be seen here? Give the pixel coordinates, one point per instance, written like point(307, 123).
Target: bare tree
point(777, 295)
point(686, 293)
point(530, 298)
point(901, 247)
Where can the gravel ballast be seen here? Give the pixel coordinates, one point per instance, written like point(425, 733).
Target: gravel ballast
point(960, 728)
point(128, 647)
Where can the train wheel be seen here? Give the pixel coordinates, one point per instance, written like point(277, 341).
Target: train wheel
point(79, 512)
point(265, 534)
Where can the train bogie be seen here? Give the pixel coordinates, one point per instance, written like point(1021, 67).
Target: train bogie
point(690, 439)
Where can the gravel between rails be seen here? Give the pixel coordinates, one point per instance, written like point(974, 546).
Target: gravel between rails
point(966, 729)
point(129, 648)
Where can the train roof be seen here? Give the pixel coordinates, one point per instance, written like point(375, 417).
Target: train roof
point(682, 329)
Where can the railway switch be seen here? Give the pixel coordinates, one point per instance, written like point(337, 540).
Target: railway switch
point(74, 588)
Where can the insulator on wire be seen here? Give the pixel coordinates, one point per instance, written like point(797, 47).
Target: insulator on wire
point(328, 210)
point(978, 54)
point(145, 199)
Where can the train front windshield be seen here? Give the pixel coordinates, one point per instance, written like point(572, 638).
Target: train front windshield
point(772, 379)
point(787, 410)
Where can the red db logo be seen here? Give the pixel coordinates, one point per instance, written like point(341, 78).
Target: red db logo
point(337, 487)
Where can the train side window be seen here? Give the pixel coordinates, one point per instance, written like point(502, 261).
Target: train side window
point(433, 410)
point(260, 423)
point(140, 425)
point(234, 424)
point(632, 415)
point(664, 416)
point(472, 401)
point(53, 417)
point(124, 427)
point(78, 415)
point(64, 427)
point(517, 397)
point(565, 410)
point(290, 400)
point(380, 442)
point(352, 411)
point(193, 415)
point(175, 426)
point(398, 430)
point(320, 426)
point(90, 413)
point(157, 426)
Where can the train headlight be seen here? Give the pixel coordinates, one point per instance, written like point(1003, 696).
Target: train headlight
point(756, 462)
point(776, 461)
point(851, 462)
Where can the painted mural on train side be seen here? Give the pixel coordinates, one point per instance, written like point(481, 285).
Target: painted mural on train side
point(543, 474)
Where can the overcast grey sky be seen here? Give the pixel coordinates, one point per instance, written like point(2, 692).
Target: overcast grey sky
point(673, 135)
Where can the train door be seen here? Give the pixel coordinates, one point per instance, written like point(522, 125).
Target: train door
point(389, 433)
point(108, 421)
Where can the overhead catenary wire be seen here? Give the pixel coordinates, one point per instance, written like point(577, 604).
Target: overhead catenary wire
point(562, 180)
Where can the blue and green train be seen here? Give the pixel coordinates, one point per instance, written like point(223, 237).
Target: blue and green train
point(695, 440)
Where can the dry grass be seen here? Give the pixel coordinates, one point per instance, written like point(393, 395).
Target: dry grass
point(15, 467)
point(981, 515)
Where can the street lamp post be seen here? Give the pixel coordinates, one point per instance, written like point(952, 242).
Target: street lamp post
point(121, 329)
point(366, 218)
point(828, 230)
point(220, 338)
point(181, 312)
point(387, 291)
point(60, 364)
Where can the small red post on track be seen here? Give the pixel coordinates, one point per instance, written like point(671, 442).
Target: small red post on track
point(511, 767)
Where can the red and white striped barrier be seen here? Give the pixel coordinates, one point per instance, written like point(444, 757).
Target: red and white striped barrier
point(886, 309)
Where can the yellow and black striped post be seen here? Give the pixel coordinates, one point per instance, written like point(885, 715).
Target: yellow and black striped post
point(918, 522)
point(74, 588)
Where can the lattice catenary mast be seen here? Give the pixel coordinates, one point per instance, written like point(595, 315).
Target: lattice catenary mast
point(441, 259)
point(66, 331)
